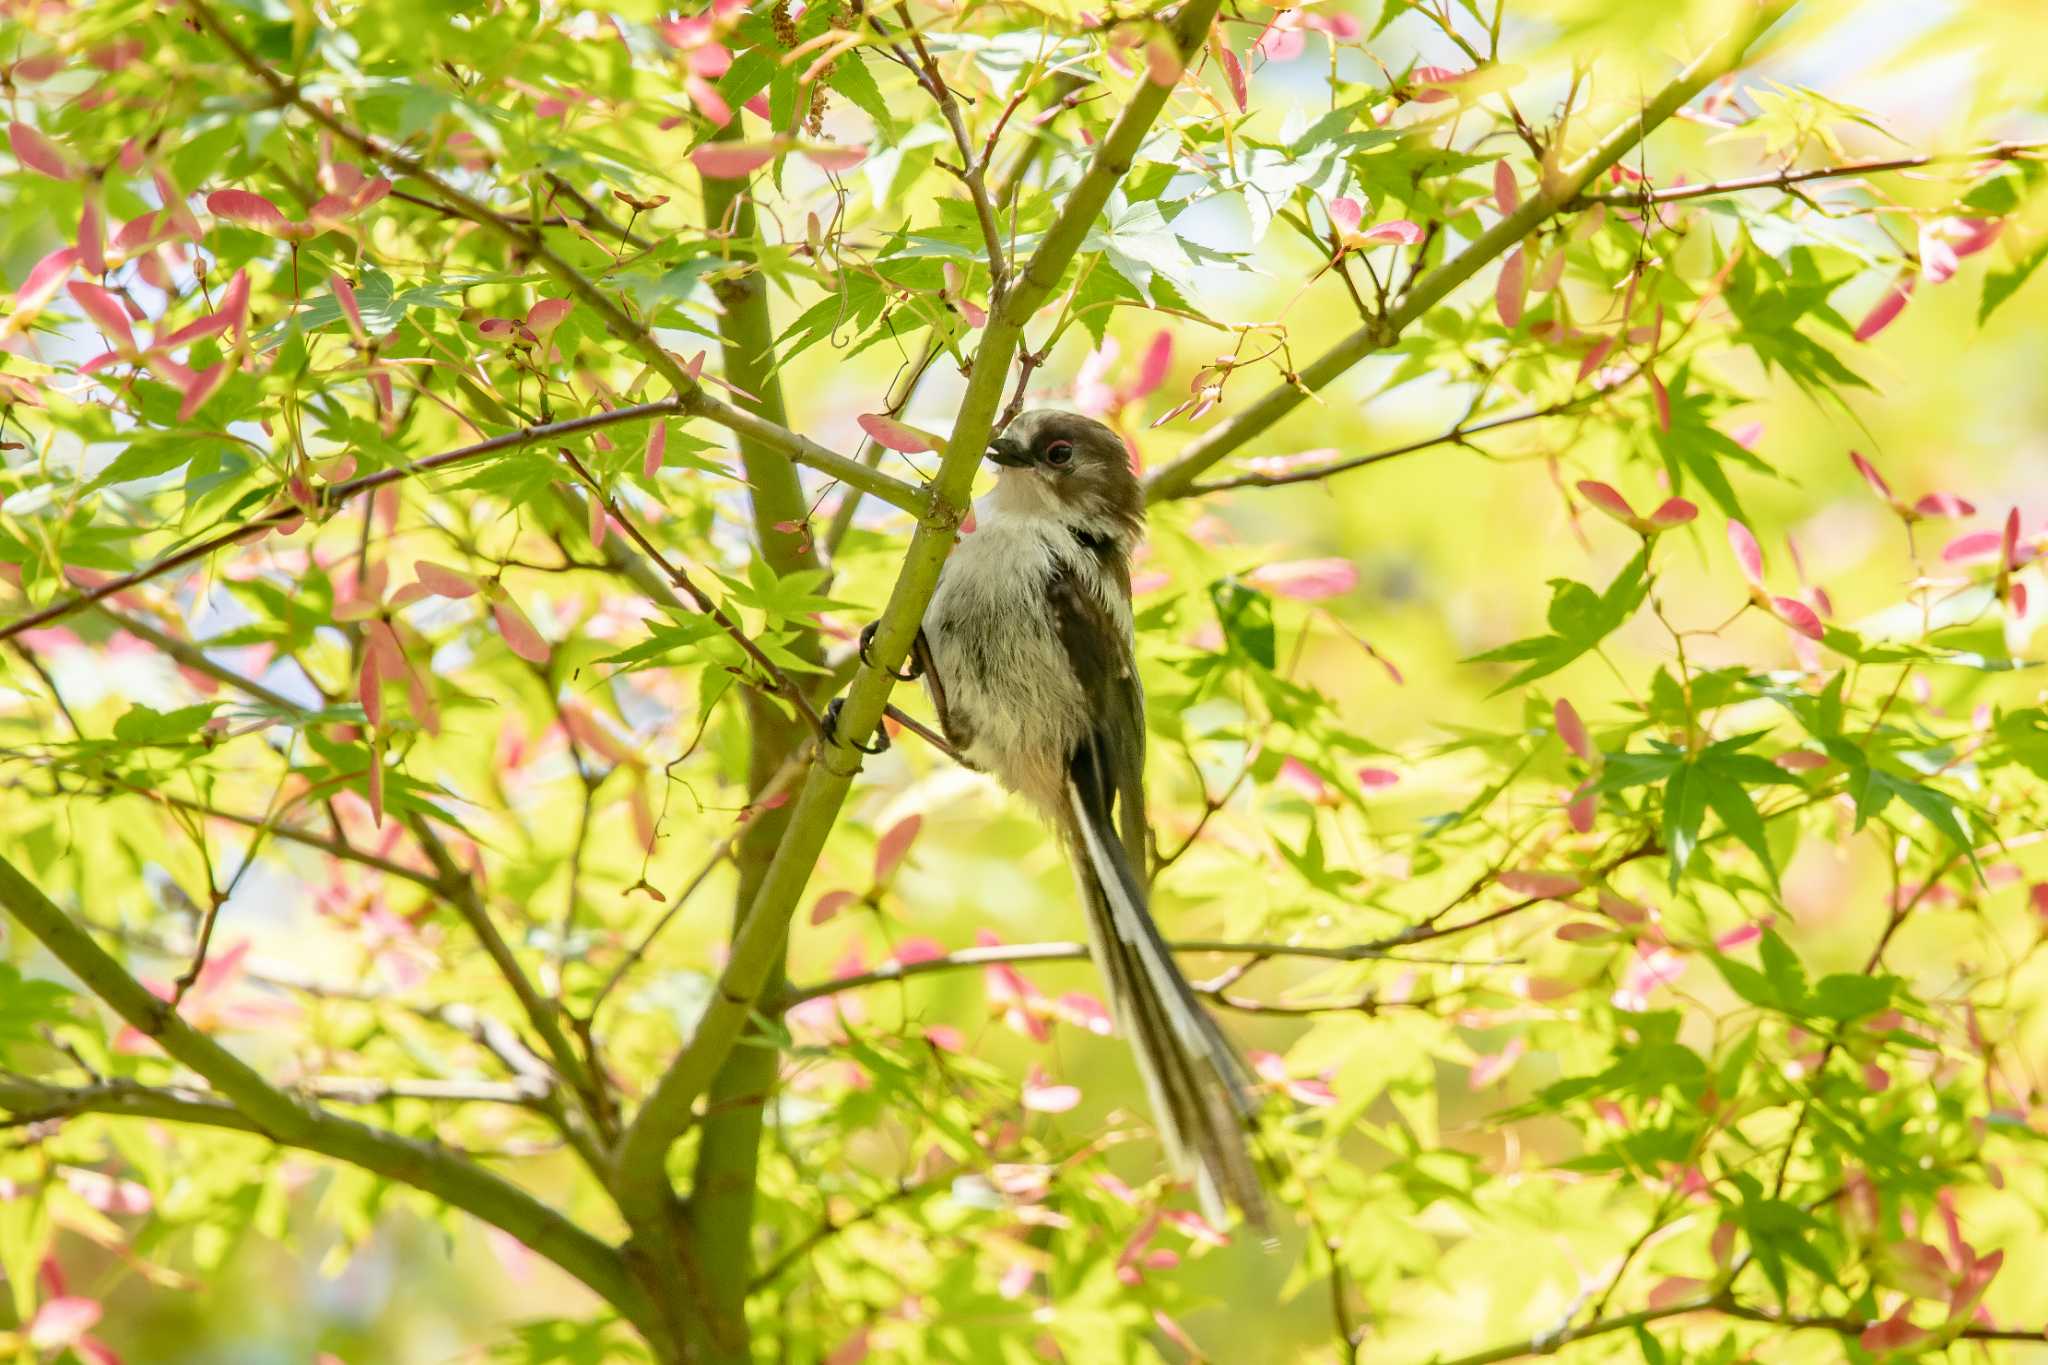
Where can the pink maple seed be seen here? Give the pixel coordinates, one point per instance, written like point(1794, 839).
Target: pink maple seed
point(1975, 545)
point(1345, 214)
point(106, 311)
point(704, 97)
point(1895, 1334)
point(1799, 617)
point(1510, 289)
point(1939, 259)
point(234, 302)
point(894, 846)
point(1673, 512)
point(1306, 580)
point(1594, 358)
point(1540, 885)
point(828, 906)
point(92, 251)
point(61, 1322)
point(1571, 729)
point(1580, 808)
point(1429, 82)
point(38, 153)
point(520, 636)
point(1748, 554)
point(547, 315)
point(733, 160)
point(1608, 500)
point(898, 436)
point(1396, 230)
point(1660, 398)
point(1152, 369)
point(1872, 477)
point(248, 209)
point(1887, 308)
point(834, 160)
point(1162, 64)
point(1971, 235)
point(442, 581)
point(370, 689)
point(1233, 75)
point(1507, 197)
point(1944, 505)
point(200, 387)
point(345, 295)
point(1620, 909)
point(657, 449)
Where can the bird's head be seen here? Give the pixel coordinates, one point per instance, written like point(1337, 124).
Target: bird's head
point(1072, 467)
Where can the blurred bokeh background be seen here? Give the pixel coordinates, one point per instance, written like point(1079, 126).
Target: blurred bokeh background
point(1453, 548)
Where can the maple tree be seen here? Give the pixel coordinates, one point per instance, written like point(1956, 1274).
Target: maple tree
point(430, 546)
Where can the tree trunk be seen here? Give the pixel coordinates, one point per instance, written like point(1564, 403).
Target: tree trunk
point(721, 1205)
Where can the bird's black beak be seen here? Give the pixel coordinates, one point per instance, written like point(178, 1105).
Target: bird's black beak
point(1009, 453)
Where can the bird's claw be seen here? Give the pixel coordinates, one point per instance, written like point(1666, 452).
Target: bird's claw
point(867, 638)
point(838, 704)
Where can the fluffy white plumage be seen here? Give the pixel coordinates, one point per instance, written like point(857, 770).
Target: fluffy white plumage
point(995, 646)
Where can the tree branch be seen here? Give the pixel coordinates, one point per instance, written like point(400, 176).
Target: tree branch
point(1066, 952)
point(830, 1228)
point(757, 949)
point(780, 439)
point(332, 847)
point(368, 1090)
point(688, 390)
point(1459, 434)
point(1173, 479)
point(455, 886)
point(971, 170)
point(1724, 1303)
point(337, 494)
point(778, 679)
point(716, 1228)
point(449, 882)
point(251, 1104)
point(1786, 179)
point(791, 769)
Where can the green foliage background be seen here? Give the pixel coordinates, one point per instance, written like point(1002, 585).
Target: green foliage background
point(1754, 1034)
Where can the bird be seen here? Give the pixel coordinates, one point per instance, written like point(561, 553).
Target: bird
point(1028, 654)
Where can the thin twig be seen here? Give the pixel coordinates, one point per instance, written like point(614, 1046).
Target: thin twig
point(1459, 434)
point(332, 497)
point(689, 391)
point(249, 1103)
point(1786, 179)
point(791, 768)
point(831, 1228)
point(1299, 385)
point(367, 1090)
point(1006, 953)
point(778, 681)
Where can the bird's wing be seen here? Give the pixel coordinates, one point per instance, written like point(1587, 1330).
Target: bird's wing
point(1099, 651)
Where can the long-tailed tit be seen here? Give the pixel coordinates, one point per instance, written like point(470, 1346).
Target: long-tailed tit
point(1027, 653)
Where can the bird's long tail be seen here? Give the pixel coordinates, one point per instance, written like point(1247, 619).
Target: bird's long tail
point(1199, 1088)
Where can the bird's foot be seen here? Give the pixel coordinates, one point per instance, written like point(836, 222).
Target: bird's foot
point(867, 638)
point(838, 704)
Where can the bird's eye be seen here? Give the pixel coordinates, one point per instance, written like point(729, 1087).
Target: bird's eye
point(1059, 452)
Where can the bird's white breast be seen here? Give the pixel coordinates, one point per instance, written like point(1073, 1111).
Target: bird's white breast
point(996, 647)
